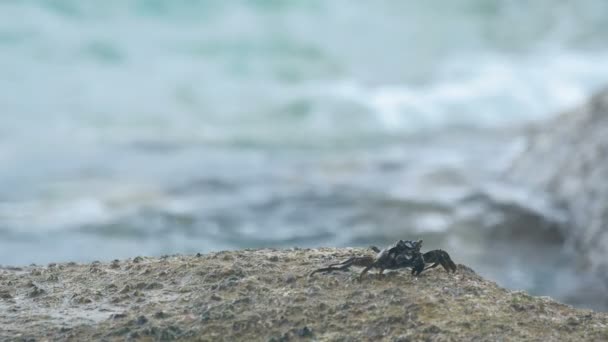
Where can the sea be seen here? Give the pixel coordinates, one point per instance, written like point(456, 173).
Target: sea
point(150, 127)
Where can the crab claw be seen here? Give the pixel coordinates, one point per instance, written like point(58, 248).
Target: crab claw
point(439, 257)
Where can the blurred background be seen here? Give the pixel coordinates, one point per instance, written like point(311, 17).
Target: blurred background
point(152, 127)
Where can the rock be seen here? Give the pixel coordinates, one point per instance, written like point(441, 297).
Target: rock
point(567, 159)
point(36, 291)
point(304, 332)
point(160, 315)
point(336, 306)
point(141, 320)
point(115, 264)
point(118, 316)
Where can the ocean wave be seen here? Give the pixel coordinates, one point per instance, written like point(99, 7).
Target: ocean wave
point(266, 73)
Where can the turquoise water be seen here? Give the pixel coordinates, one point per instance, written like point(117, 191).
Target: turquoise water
point(152, 127)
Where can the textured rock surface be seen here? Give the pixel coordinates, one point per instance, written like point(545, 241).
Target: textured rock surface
point(263, 295)
point(567, 158)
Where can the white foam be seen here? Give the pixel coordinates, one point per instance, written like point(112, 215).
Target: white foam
point(72, 208)
point(490, 91)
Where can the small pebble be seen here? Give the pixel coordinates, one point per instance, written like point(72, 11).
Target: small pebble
point(118, 316)
point(304, 332)
point(36, 291)
point(141, 320)
point(115, 264)
point(160, 315)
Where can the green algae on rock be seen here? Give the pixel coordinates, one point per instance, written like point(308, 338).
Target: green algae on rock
point(267, 295)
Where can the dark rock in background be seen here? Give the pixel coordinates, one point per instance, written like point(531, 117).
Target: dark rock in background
point(567, 158)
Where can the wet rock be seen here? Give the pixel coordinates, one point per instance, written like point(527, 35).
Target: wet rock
point(566, 159)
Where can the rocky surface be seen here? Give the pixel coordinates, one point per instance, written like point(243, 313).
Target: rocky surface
point(267, 295)
point(567, 159)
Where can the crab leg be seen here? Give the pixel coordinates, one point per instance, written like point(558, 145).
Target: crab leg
point(367, 268)
point(366, 261)
point(439, 257)
point(418, 266)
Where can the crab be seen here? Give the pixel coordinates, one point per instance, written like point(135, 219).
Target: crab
point(402, 254)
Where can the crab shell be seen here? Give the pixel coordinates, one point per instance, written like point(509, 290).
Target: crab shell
point(399, 254)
